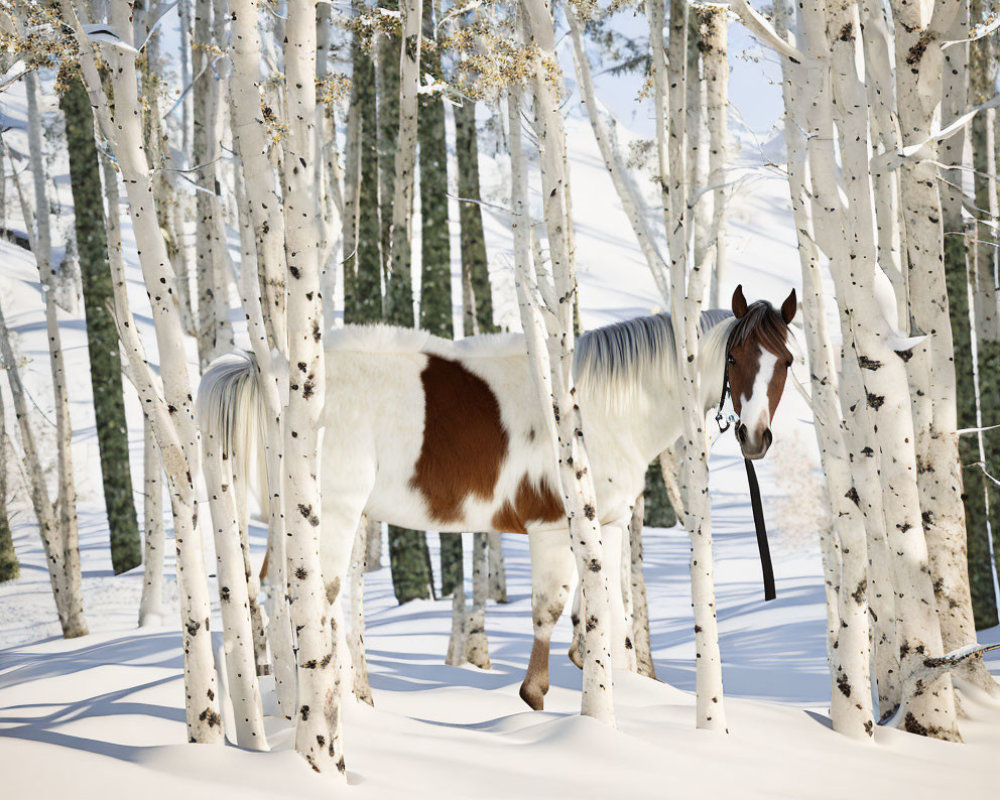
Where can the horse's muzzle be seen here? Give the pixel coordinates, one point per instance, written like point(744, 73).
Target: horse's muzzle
point(753, 449)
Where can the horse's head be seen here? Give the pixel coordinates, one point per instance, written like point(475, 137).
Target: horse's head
point(758, 362)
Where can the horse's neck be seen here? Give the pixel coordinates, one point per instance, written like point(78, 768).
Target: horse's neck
point(660, 424)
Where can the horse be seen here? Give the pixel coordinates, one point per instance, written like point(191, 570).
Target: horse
point(433, 434)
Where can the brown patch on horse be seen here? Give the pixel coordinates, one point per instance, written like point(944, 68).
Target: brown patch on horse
point(465, 442)
point(531, 504)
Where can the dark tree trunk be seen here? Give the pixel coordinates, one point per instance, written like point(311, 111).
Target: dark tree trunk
point(9, 568)
point(409, 557)
point(102, 337)
point(435, 280)
point(658, 511)
point(478, 315)
point(982, 77)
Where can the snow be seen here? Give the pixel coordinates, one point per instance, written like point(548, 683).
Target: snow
point(103, 715)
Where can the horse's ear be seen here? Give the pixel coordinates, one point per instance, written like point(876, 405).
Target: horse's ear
point(788, 308)
point(739, 302)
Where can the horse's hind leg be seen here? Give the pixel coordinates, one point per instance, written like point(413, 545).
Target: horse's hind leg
point(343, 506)
point(552, 567)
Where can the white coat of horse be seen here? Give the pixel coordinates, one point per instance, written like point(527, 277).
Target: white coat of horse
point(432, 434)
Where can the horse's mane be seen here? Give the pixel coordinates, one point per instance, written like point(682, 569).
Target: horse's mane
point(613, 361)
point(767, 324)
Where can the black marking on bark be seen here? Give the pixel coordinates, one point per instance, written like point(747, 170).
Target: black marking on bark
point(295, 272)
point(310, 664)
point(905, 355)
point(589, 512)
point(859, 593)
point(869, 363)
point(192, 627)
point(852, 495)
point(847, 32)
point(224, 594)
point(875, 401)
point(844, 685)
point(301, 573)
point(904, 527)
point(594, 565)
point(867, 451)
point(591, 623)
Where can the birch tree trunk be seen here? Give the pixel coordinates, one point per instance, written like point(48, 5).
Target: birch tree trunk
point(262, 233)
point(477, 651)
point(640, 608)
point(65, 580)
point(714, 30)
point(318, 734)
point(550, 342)
point(888, 423)
point(151, 602)
point(42, 247)
point(175, 429)
point(919, 72)
point(356, 639)
point(687, 283)
point(846, 560)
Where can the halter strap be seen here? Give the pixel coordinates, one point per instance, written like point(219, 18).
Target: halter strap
point(763, 549)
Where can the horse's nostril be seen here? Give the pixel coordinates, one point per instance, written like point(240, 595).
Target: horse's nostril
point(767, 438)
point(741, 432)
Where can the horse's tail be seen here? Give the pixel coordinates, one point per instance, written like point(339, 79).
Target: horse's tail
point(231, 413)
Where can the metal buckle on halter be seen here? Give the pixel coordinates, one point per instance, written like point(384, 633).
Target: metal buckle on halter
point(719, 417)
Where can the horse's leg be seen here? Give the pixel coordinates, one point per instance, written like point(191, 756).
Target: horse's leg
point(345, 493)
point(552, 566)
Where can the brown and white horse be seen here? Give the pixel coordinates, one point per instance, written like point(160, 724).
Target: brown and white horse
point(443, 435)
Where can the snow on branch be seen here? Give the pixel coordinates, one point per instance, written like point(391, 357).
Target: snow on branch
point(763, 30)
point(980, 31)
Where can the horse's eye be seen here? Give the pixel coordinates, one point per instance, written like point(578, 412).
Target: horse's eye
point(731, 360)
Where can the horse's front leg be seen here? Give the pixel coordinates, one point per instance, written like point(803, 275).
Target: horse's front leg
point(552, 568)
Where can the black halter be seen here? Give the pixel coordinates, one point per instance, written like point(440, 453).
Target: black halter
point(758, 509)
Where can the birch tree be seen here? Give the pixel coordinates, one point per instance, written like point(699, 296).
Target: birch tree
point(171, 409)
point(687, 285)
point(548, 326)
point(318, 728)
point(151, 601)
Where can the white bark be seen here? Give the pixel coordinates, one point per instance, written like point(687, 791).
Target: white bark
point(850, 234)
point(69, 599)
point(549, 336)
point(477, 651)
point(845, 555)
point(234, 599)
point(262, 242)
point(65, 587)
point(151, 602)
point(172, 412)
point(398, 290)
point(687, 282)
point(931, 369)
point(318, 730)
point(640, 608)
point(714, 30)
point(356, 639)
point(497, 570)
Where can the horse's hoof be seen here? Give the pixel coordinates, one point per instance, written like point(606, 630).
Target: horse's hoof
point(534, 696)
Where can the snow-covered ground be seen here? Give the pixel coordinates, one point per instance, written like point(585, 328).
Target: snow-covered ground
point(103, 716)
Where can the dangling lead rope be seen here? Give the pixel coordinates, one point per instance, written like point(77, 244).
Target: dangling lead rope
point(763, 549)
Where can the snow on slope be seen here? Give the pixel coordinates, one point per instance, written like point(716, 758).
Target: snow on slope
point(103, 715)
